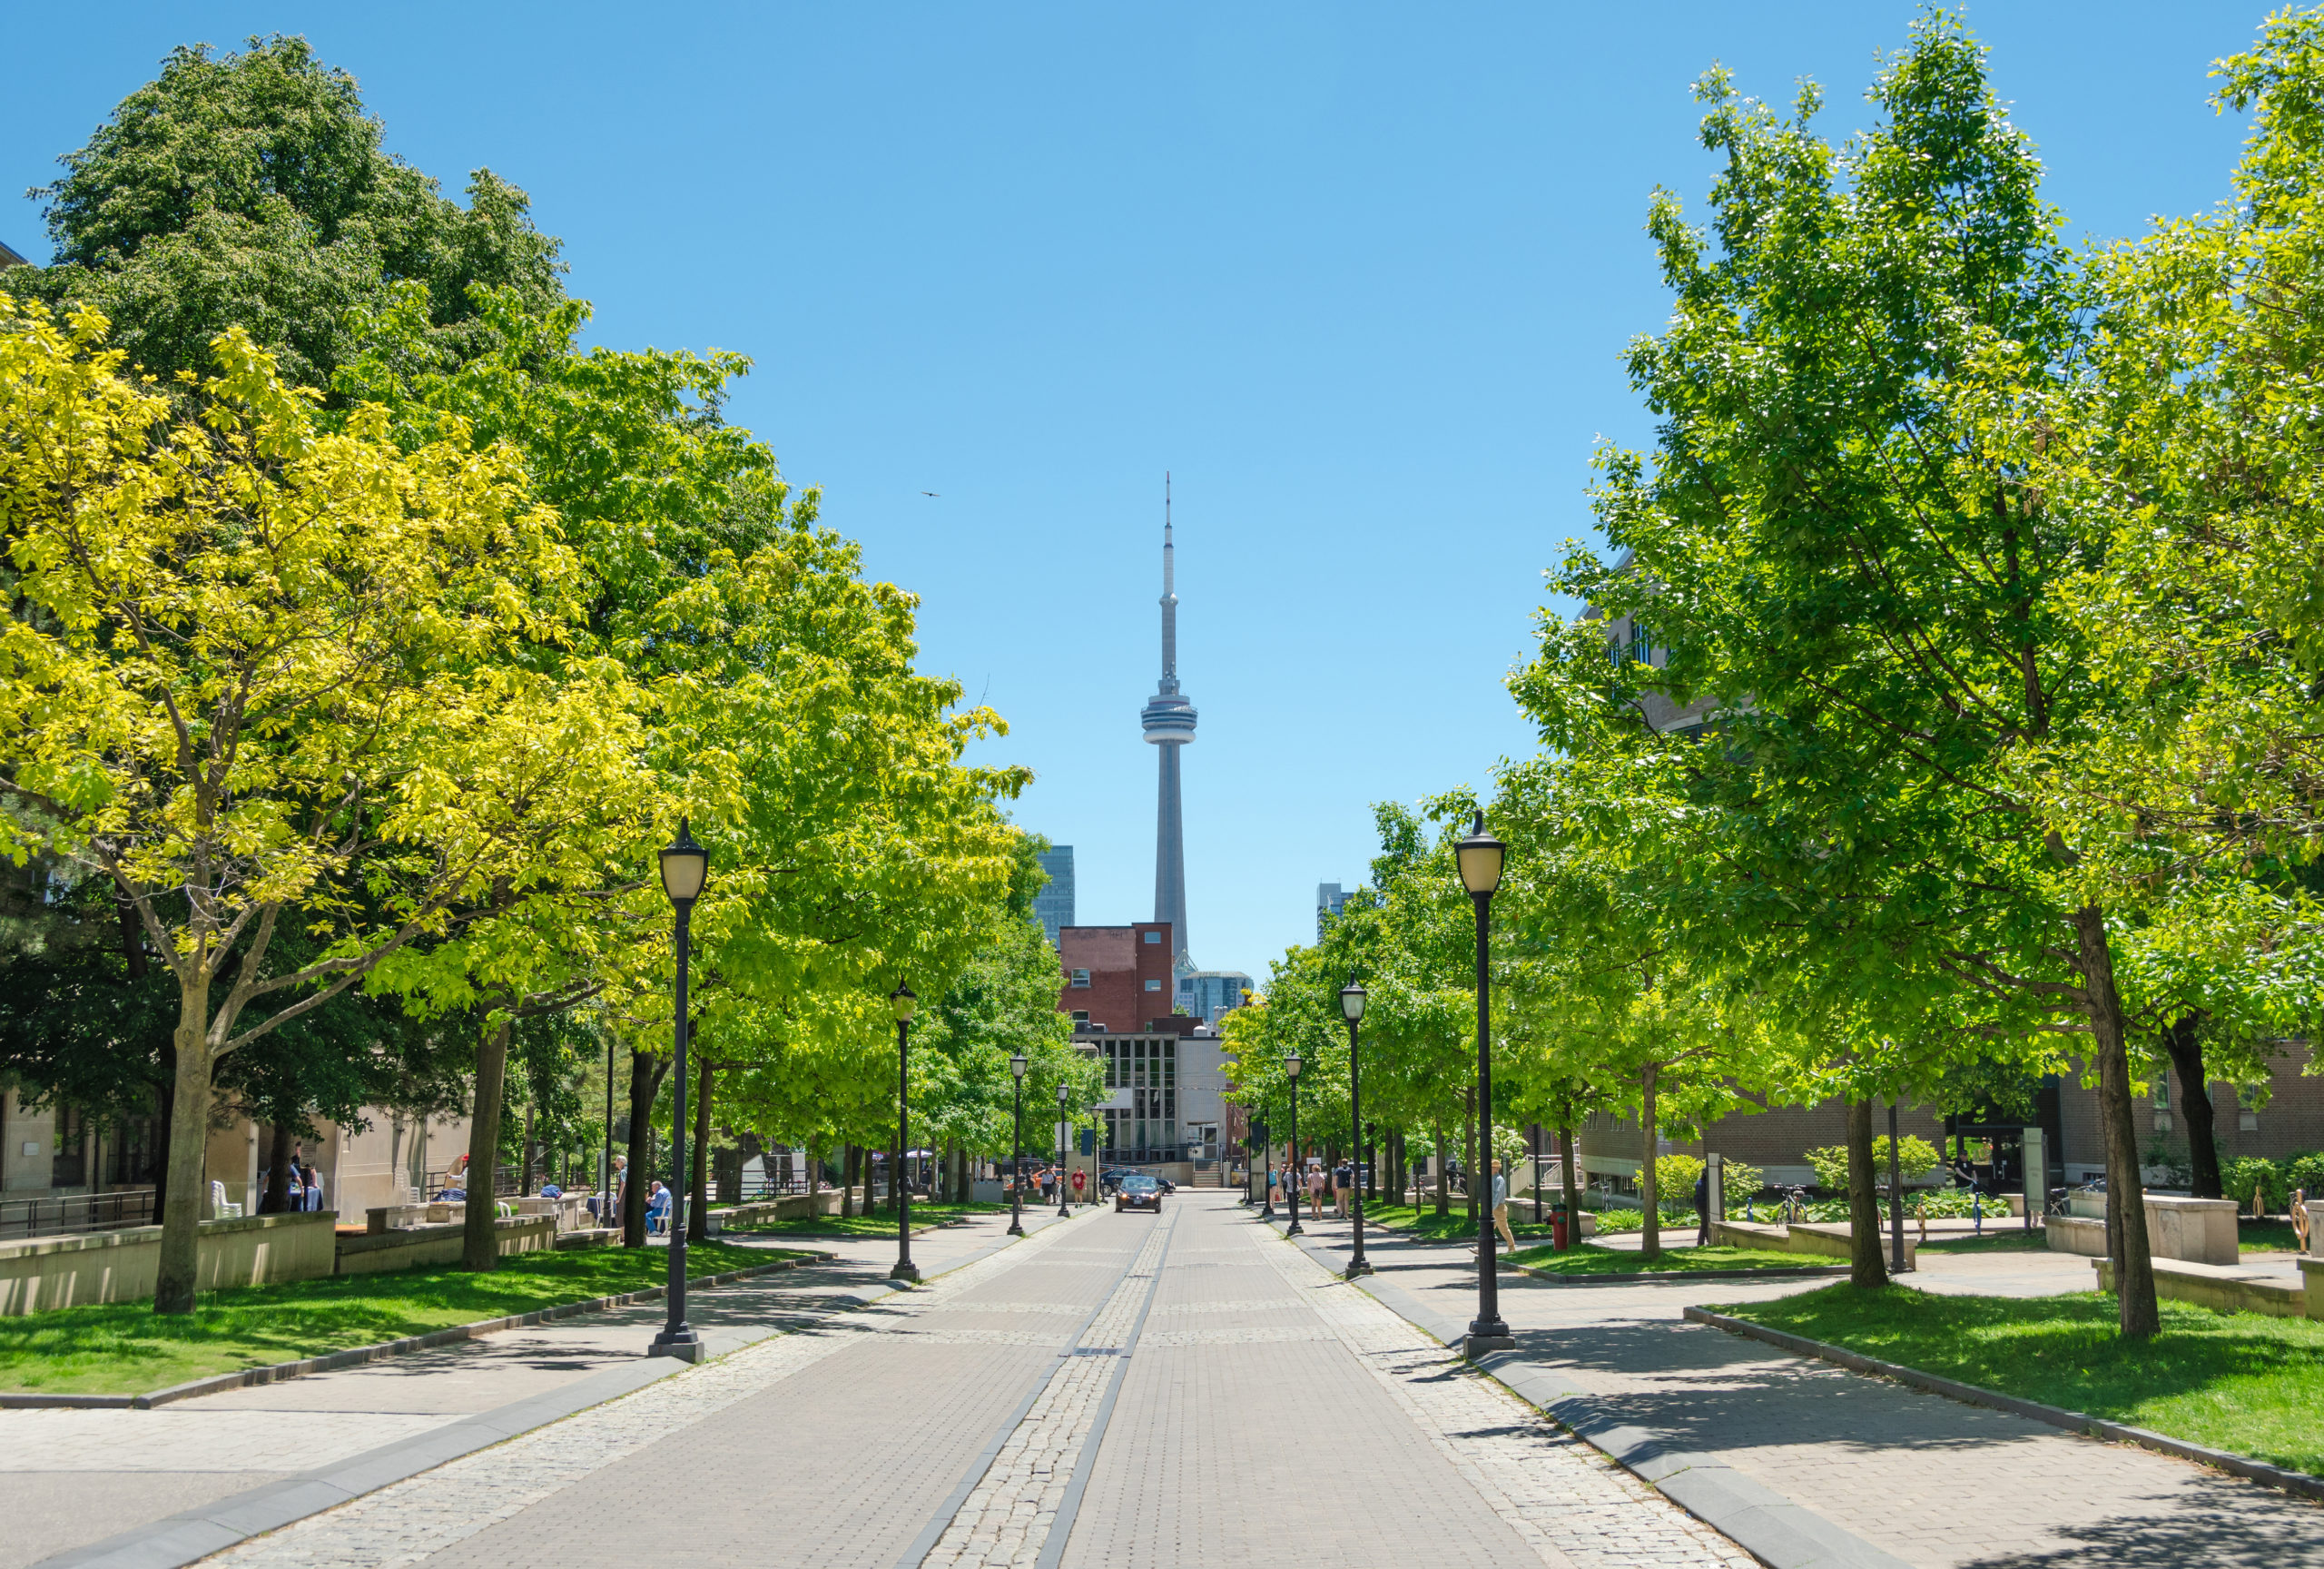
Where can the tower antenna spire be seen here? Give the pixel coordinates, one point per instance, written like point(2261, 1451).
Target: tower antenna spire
point(1168, 720)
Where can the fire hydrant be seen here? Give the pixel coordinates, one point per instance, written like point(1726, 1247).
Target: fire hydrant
point(1557, 1230)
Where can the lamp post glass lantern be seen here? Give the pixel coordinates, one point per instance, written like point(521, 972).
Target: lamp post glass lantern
point(1351, 1007)
point(1017, 1148)
point(903, 1002)
point(1480, 856)
point(684, 866)
point(1298, 1171)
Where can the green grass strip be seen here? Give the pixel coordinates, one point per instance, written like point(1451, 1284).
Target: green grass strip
point(2242, 1382)
point(881, 1223)
point(1591, 1259)
point(125, 1348)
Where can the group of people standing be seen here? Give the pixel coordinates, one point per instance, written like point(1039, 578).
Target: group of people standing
point(303, 1192)
point(1285, 1185)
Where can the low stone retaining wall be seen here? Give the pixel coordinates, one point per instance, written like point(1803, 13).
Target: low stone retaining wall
point(2222, 1289)
point(417, 1245)
point(2189, 1231)
point(790, 1207)
point(1816, 1240)
point(51, 1272)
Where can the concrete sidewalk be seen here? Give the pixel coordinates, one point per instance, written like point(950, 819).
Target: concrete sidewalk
point(83, 1484)
point(1921, 1479)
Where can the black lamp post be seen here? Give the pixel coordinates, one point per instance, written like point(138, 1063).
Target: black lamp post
point(1480, 856)
point(1064, 1202)
point(1017, 1152)
point(902, 1001)
point(1352, 1005)
point(1291, 1066)
point(684, 865)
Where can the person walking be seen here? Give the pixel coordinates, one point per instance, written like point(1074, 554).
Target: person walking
point(1342, 1179)
point(1315, 1191)
point(1497, 1197)
point(1702, 1207)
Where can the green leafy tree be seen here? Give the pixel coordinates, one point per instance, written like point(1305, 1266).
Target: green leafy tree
point(250, 190)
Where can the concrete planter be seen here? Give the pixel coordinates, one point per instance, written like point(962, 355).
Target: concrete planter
point(2222, 1288)
point(2190, 1231)
point(417, 1245)
point(51, 1272)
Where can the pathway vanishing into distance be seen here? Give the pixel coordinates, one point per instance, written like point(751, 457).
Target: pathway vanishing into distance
point(1121, 1390)
point(1913, 1478)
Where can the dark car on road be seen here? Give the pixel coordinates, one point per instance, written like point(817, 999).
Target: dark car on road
point(1138, 1191)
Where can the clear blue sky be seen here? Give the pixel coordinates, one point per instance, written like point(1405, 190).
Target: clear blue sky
point(1359, 275)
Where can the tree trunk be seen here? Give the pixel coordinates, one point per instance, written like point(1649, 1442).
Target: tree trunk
point(524, 1178)
point(1572, 1190)
point(2186, 1049)
point(277, 1197)
point(1864, 1265)
point(1650, 1187)
point(480, 1241)
point(1444, 1185)
point(165, 1098)
point(847, 1180)
point(896, 1172)
point(699, 1180)
point(178, 1268)
point(2126, 1245)
point(646, 1074)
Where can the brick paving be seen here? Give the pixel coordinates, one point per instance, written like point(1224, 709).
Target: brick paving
point(75, 1478)
point(1126, 1390)
point(1932, 1481)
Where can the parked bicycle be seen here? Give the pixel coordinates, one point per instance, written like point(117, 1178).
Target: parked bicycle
point(1793, 1210)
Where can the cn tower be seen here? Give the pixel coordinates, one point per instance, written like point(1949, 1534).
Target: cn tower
point(1169, 722)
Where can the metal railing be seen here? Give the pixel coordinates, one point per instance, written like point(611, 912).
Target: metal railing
point(77, 1212)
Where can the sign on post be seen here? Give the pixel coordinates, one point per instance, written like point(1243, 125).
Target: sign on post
point(1718, 1194)
point(2037, 1176)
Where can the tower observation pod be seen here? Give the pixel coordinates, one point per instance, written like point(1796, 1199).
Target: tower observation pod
point(1168, 719)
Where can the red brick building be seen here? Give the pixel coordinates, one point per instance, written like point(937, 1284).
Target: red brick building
point(1119, 977)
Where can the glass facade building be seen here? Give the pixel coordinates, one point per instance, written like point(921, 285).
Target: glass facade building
point(1053, 905)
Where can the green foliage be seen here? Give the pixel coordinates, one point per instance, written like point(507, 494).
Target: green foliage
point(250, 191)
point(1916, 1156)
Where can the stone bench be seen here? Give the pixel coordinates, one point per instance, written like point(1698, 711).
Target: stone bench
point(1815, 1240)
point(2188, 1230)
point(2223, 1287)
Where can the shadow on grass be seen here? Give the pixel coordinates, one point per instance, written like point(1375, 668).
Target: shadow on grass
point(2242, 1382)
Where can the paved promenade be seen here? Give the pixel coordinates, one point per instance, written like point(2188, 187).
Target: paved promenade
point(73, 1480)
point(1915, 1478)
point(1118, 1390)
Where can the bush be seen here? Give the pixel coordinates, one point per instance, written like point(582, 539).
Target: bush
point(1916, 1156)
point(1675, 1178)
point(1635, 1220)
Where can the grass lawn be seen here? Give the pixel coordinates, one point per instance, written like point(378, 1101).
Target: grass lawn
point(2266, 1237)
point(1456, 1225)
point(883, 1223)
point(1998, 1239)
point(123, 1348)
point(2242, 1382)
point(1591, 1259)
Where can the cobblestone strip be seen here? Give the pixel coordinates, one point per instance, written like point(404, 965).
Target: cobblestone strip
point(408, 1521)
point(1010, 1513)
point(1570, 1504)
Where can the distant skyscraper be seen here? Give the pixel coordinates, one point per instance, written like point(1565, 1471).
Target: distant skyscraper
point(1210, 996)
point(1169, 721)
point(1053, 905)
point(1330, 900)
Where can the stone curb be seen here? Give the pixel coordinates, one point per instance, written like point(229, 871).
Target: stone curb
point(354, 1356)
point(1762, 1521)
point(2295, 1482)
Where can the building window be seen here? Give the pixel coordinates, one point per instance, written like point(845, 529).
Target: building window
point(1170, 1062)
point(1081, 977)
point(1113, 1068)
point(2162, 1092)
point(2247, 1107)
point(1154, 938)
point(1153, 985)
